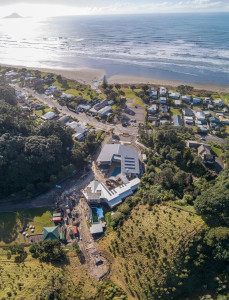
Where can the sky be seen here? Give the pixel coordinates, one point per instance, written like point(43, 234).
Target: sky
point(49, 8)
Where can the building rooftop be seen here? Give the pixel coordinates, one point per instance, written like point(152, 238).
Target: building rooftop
point(177, 120)
point(97, 228)
point(127, 156)
point(51, 233)
point(97, 190)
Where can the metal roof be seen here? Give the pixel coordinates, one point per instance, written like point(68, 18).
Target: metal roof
point(128, 156)
point(51, 233)
point(177, 120)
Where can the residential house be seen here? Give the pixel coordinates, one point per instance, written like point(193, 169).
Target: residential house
point(189, 120)
point(163, 91)
point(83, 107)
point(162, 100)
point(200, 116)
point(67, 96)
point(177, 121)
point(202, 128)
point(196, 100)
point(164, 122)
point(204, 151)
point(207, 101)
point(174, 96)
point(186, 99)
point(224, 121)
point(153, 93)
point(105, 111)
point(164, 109)
point(49, 116)
point(225, 110)
point(64, 119)
point(187, 112)
point(153, 109)
point(100, 105)
point(177, 102)
point(219, 103)
point(81, 130)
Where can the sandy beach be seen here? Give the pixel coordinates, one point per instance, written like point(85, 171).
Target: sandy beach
point(91, 76)
point(88, 76)
point(122, 79)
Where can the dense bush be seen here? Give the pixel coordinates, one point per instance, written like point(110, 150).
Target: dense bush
point(48, 251)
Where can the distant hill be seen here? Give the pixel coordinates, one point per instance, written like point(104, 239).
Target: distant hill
point(13, 16)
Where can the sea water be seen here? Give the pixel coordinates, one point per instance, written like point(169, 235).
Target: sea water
point(187, 47)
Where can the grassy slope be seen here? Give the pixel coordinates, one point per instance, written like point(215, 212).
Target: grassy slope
point(37, 278)
point(11, 223)
point(148, 245)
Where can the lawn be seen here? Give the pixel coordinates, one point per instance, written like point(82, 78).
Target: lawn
point(131, 93)
point(216, 151)
point(40, 112)
point(175, 111)
point(225, 97)
point(11, 223)
point(86, 92)
point(146, 246)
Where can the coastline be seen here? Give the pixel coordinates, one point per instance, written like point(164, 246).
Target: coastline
point(90, 76)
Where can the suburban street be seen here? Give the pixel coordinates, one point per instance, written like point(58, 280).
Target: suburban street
point(81, 117)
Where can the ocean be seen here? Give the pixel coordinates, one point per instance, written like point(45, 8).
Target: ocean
point(183, 47)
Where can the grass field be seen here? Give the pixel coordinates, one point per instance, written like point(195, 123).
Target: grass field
point(33, 279)
point(175, 111)
point(147, 246)
point(40, 112)
point(11, 223)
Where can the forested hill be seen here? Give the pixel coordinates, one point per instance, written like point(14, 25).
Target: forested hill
point(30, 153)
point(34, 154)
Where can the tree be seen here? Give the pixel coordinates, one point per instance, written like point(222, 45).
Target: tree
point(7, 93)
point(133, 87)
point(145, 88)
point(118, 86)
point(105, 83)
point(48, 251)
point(215, 200)
point(218, 240)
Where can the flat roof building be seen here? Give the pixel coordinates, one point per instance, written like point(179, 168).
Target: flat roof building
point(97, 193)
point(126, 156)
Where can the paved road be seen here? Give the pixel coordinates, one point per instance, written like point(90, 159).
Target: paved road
point(50, 198)
point(82, 117)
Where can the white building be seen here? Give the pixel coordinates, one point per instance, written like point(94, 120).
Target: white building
point(152, 109)
point(81, 130)
point(189, 120)
point(96, 192)
point(175, 96)
point(49, 116)
point(200, 116)
point(163, 91)
point(162, 100)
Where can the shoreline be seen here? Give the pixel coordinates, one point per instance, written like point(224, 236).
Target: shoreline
point(90, 76)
